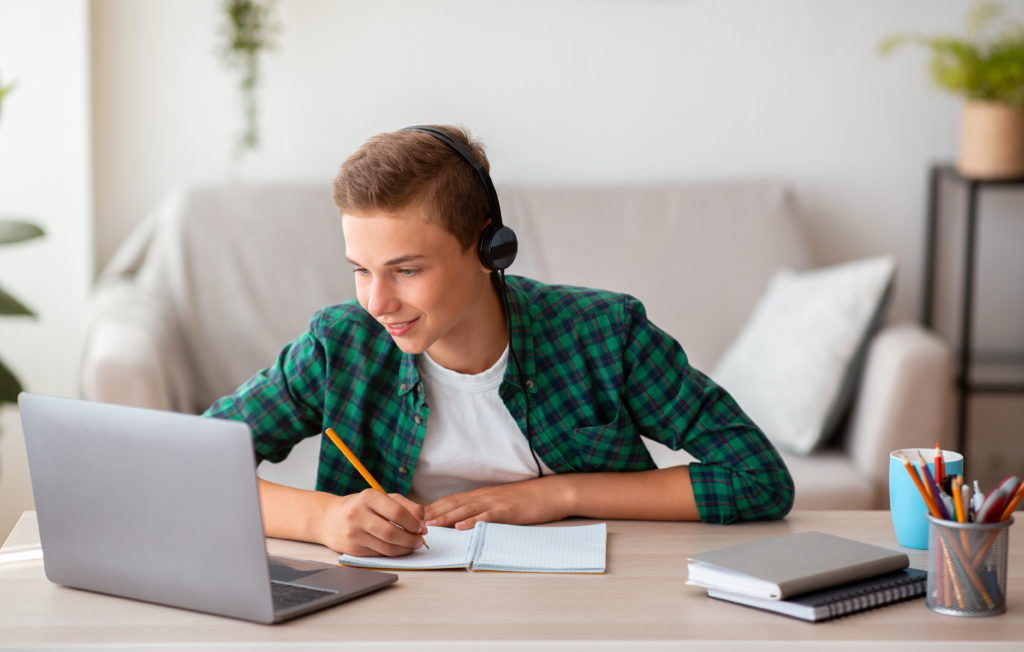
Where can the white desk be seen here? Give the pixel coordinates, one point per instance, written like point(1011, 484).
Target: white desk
point(640, 603)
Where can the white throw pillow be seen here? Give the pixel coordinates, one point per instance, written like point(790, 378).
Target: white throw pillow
point(793, 367)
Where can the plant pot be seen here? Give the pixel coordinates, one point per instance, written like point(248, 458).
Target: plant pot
point(991, 141)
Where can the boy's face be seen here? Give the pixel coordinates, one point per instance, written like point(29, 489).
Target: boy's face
point(415, 278)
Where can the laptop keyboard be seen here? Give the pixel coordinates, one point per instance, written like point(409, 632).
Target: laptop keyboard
point(292, 595)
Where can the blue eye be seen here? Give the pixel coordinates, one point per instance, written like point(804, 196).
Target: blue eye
point(407, 271)
point(360, 271)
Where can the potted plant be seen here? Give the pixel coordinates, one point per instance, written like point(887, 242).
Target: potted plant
point(12, 231)
point(986, 68)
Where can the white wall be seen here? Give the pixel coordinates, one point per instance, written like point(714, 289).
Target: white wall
point(572, 90)
point(44, 174)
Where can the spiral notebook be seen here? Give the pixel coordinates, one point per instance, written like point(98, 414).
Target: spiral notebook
point(842, 600)
point(500, 547)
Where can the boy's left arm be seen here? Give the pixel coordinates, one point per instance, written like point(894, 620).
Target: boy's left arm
point(656, 495)
point(739, 474)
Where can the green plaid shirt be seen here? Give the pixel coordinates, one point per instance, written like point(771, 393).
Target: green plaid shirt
point(597, 373)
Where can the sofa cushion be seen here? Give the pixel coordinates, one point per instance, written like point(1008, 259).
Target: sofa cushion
point(795, 364)
point(829, 480)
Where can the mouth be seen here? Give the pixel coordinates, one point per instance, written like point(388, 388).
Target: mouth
point(399, 328)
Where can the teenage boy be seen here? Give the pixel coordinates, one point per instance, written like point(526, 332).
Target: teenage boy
point(470, 411)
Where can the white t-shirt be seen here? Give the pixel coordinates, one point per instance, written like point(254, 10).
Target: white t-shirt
point(471, 440)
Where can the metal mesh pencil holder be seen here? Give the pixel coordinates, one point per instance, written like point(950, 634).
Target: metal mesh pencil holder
point(967, 567)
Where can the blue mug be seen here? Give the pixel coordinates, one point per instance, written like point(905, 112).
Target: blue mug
point(906, 505)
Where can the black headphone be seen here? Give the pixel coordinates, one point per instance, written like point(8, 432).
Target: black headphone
point(497, 246)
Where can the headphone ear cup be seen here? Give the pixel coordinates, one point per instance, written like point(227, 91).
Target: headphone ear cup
point(497, 247)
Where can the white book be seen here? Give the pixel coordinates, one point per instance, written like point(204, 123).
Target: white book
point(778, 567)
point(500, 547)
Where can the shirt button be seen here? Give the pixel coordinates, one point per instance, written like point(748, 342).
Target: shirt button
point(404, 470)
point(418, 419)
point(530, 385)
point(403, 387)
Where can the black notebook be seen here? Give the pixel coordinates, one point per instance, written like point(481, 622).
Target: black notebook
point(840, 600)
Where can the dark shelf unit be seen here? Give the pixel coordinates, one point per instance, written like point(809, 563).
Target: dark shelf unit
point(977, 372)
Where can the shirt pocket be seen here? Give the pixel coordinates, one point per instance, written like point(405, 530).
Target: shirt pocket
point(613, 446)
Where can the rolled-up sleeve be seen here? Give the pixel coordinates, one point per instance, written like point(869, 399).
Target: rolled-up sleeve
point(738, 474)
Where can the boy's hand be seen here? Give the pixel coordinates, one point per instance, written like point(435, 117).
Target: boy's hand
point(371, 523)
point(539, 500)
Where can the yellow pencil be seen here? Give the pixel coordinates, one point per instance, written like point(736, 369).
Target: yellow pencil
point(353, 459)
point(958, 500)
point(363, 471)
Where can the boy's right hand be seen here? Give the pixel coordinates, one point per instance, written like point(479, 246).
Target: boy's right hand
point(371, 523)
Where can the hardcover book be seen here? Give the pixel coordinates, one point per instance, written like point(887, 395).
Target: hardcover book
point(778, 567)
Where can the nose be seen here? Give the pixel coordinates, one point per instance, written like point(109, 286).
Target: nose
point(382, 299)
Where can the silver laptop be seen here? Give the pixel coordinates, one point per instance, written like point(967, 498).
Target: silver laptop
point(163, 507)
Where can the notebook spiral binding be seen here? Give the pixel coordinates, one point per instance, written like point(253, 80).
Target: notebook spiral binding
point(901, 589)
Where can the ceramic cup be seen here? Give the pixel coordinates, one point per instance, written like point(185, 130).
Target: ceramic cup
point(906, 505)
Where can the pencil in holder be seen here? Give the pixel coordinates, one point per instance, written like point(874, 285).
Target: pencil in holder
point(967, 567)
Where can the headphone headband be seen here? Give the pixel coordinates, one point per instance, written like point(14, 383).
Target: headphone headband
point(469, 157)
point(497, 246)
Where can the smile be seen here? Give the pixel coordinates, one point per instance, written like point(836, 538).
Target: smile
point(399, 328)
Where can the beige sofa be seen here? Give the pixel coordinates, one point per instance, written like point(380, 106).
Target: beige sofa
point(217, 279)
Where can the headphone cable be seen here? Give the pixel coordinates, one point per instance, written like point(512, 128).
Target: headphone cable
point(503, 289)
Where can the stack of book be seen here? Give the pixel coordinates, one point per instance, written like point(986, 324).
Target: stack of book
point(808, 575)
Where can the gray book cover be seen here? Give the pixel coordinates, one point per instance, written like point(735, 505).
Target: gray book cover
point(777, 567)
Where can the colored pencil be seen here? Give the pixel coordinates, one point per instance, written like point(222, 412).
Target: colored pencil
point(958, 500)
point(925, 494)
point(933, 487)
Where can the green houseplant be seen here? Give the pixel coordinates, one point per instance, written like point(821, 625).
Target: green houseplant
point(986, 67)
point(12, 231)
point(248, 32)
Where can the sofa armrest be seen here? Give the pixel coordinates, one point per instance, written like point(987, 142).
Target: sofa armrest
point(904, 400)
point(132, 350)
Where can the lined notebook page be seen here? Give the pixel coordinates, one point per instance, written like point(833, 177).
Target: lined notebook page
point(449, 548)
point(575, 549)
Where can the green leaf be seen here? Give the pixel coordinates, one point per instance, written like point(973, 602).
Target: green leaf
point(988, 64)
point(9, 385)
point(12, 231)
point(11, 306)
